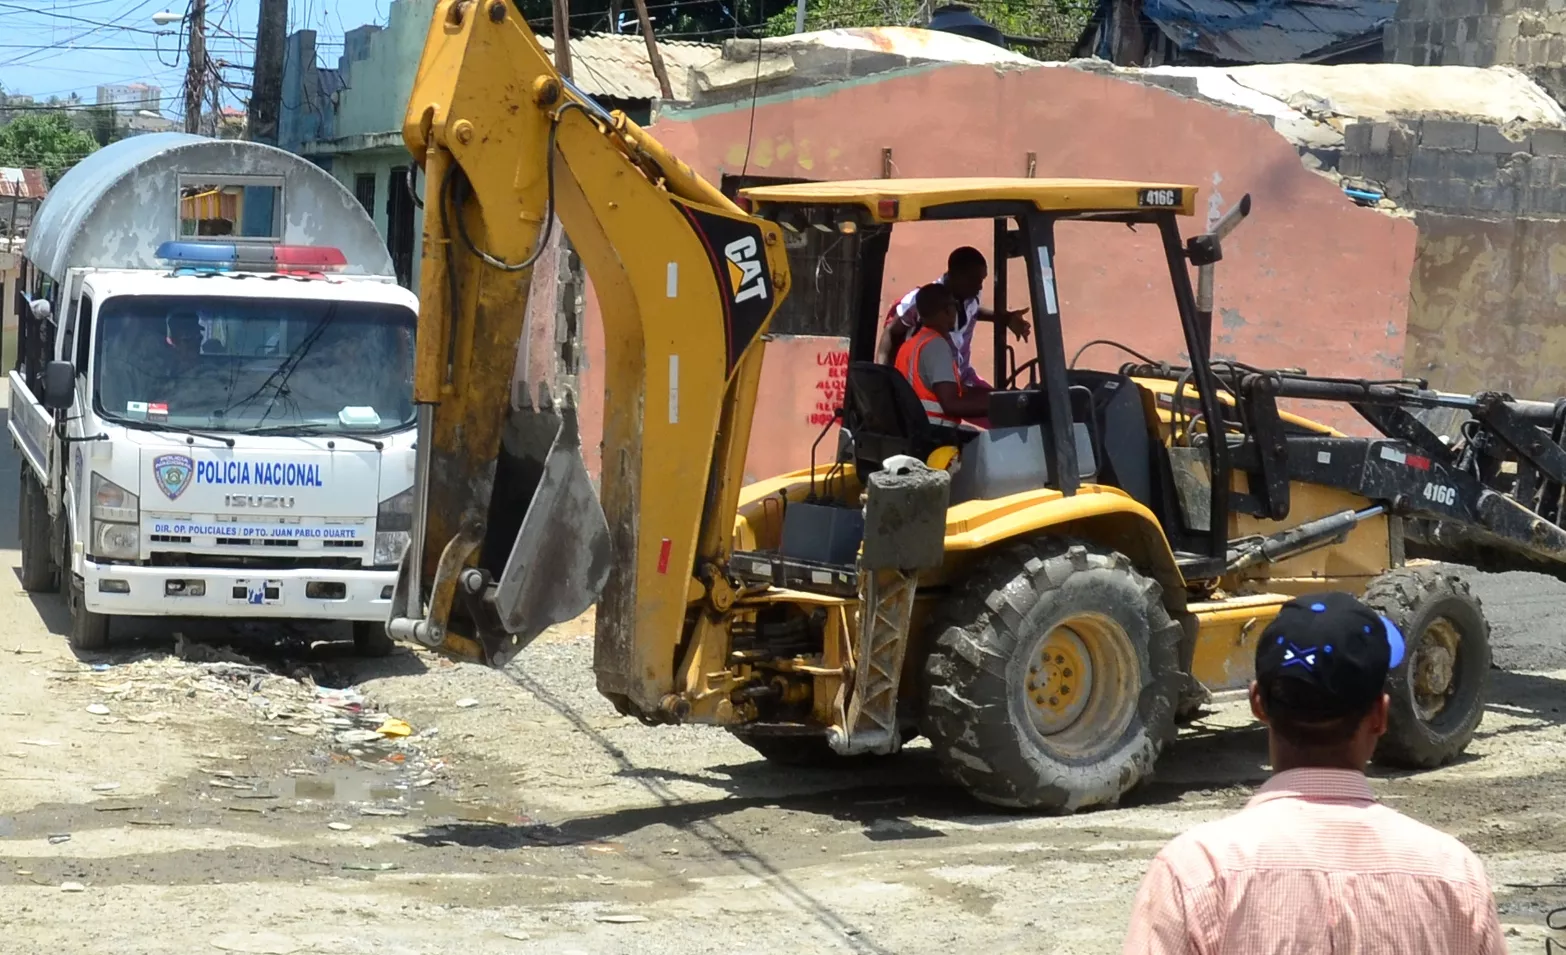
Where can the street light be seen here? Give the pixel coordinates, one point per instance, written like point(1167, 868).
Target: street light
point(165, 18)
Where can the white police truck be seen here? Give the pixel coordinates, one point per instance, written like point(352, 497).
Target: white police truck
point(213, 392)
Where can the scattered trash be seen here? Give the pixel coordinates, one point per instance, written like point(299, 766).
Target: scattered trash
point(370, 866)
point(59, 837)
point(393, 727)
point(72, 887)
point(19, 651)
point(105, 787)
point(101, 668)
point(352, 737)
point(256, 943)
point(622, 919)
point(516, 936)
point(467, 702)
point(242, 809)
point(117, 808)
point(325, 862)
point(302, 730)
point(671, 852)
point(377, 811)
point(38, 742)
point(338, 826)
point(98, 709)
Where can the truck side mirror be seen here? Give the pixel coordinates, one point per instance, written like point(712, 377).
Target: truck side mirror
point(59, 385)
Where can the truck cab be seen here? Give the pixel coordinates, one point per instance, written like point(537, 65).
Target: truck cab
point(225, 430)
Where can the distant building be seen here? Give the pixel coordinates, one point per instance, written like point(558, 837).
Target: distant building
point(21, 190)
point(130, 98)
point(1224, 33)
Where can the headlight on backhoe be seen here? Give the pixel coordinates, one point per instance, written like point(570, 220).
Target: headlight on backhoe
point(393, 521)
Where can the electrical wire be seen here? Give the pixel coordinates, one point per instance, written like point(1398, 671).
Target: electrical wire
point(1105, 341)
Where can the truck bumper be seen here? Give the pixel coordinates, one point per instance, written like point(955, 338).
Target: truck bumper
point(295, 593)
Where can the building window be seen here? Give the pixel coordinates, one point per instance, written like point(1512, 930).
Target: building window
point(822, 299)
point(364, 190)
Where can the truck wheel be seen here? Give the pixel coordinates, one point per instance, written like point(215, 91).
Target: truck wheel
point(1055, 678)
point(39, 575)
point(1438, 692)
point(370, 639)
point(89, 631)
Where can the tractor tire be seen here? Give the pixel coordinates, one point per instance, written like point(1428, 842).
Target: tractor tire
point(39, 574)
point(89, 631)
point(1438, 692)
point(1054, 680)
point(370, 639)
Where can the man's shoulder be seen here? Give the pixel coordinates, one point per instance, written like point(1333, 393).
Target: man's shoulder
point(1243, 839)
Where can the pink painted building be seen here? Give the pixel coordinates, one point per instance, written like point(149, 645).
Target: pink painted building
point(1310, 280)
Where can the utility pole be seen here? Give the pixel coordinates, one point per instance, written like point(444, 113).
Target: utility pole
point(196, 70)
point(799, 18)
point(266, 92)
point(654, 55)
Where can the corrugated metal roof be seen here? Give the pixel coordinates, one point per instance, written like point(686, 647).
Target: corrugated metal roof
point(1266, 31)
point(615, 66)
point(22, 183)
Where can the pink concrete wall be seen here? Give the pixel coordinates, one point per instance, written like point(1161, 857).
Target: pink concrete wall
point(1309, 280)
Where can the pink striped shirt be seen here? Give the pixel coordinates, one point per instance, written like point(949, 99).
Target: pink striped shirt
point(1314, 864)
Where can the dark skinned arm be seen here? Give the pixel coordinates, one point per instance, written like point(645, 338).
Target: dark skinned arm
point(891, 340)
point(959, 404)
point(1016, 320)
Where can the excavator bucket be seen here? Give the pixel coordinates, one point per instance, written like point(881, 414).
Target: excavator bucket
point(560, 558)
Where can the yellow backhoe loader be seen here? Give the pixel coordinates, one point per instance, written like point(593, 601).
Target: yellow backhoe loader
point(1043, 600)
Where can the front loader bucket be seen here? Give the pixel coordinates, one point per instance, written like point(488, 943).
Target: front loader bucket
point(559, 561)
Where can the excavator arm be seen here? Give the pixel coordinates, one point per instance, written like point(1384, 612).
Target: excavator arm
point(508, 536)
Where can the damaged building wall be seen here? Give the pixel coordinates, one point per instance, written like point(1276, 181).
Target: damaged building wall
point(1310, 280)
point(1486, 291)
point(1527, 34)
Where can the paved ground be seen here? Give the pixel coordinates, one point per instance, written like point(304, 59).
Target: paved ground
point(154, 804)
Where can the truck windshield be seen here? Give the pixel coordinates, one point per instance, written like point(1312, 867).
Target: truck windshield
point(239, 364)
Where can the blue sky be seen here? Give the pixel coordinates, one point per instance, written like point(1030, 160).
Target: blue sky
point(57, 47)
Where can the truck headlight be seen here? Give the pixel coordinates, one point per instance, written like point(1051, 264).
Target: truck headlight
point(395, 513)
point(110, 502)
point(116, 541)
point(389, 546)
point(393, 521)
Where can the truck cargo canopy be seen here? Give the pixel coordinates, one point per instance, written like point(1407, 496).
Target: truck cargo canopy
point(114, 208)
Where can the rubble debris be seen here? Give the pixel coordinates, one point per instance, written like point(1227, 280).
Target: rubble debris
point(467, 702)
point(72, 887)
point(98, 709)
point(622, 919)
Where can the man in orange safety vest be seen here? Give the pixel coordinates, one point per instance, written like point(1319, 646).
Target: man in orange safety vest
point(929, 361)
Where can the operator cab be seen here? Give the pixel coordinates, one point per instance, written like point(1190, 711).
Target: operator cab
point(1052, 426)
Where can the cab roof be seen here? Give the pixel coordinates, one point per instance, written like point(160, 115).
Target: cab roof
point(906, 200)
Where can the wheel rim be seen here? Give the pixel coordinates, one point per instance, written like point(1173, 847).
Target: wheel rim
point(1080, 684)
point(1434, 668)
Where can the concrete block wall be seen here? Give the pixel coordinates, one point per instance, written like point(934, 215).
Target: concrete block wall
point(1460, 168)
point(1527, 34)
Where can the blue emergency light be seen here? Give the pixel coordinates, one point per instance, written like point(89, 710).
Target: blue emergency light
point(227, 256)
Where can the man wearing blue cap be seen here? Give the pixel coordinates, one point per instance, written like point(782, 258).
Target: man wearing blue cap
point(1314, 863)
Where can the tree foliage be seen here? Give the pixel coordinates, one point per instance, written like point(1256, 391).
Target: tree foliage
point(1056, 22)
point(46, 140)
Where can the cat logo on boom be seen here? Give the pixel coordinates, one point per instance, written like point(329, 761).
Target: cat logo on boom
point(746, 275)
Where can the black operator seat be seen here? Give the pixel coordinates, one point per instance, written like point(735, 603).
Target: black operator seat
point(884, 417)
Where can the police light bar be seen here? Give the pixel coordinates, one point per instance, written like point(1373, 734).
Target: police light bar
point(226, 257)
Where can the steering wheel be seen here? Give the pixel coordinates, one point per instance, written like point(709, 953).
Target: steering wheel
point(1031, 366)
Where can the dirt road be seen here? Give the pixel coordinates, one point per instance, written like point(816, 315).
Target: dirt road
point(154, 804)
